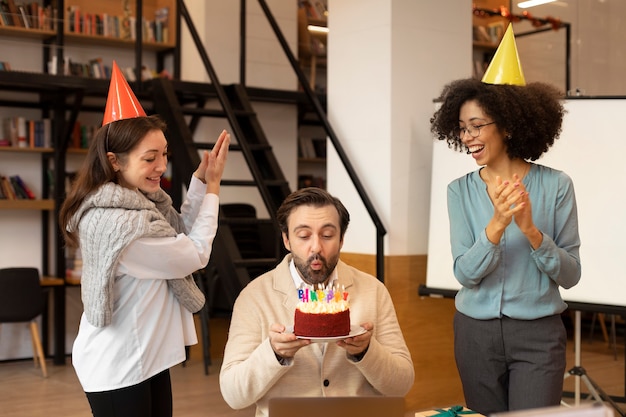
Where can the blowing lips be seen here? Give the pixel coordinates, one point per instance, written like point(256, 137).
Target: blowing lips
point(316, 262)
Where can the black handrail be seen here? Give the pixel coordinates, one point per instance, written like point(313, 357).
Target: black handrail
point(313, 100)
point(321, 114)
point(228, 109)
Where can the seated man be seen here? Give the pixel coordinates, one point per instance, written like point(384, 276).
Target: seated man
point(262, 360)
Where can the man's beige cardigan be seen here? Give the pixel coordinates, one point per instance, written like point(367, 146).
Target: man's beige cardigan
point(251, 373)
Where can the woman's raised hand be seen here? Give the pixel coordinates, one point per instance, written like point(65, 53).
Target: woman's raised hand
point(212, 164)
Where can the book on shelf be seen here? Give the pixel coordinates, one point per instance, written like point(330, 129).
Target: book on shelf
point(82, 135)
point(319, 145)
point(29, 15)
point(21, 132)
point(480, 34)
point(20, 189)
point(315, 9)
point(22, 185)
point(322, 9)
point(14, 13)
point(121, 27)
point(312, 147)
point(306, 148)
point(14, 188)
point(495, 30)
point(24, 17)
point(33, 14)
point(161, 22)
point(4, 140)
point(5, 17)
point(7, 188)
point(25, 133)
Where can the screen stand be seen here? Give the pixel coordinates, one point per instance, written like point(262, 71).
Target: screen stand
point(580, 374)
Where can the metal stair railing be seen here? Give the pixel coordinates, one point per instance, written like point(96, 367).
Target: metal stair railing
point(314, 102)
point(230, 113)
point(321, 114)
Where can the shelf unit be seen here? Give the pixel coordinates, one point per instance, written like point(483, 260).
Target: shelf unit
point(42, 204)
point(61, 98)
point(487, 33)
point(312, 46)
point(312, 43)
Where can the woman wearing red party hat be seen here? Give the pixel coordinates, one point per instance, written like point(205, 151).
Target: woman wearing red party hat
point(138, 253)
point(514, 237)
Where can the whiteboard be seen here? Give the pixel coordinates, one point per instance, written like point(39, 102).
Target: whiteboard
point(592, 151)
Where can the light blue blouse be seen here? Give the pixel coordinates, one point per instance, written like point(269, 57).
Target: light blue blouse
point(510, 278)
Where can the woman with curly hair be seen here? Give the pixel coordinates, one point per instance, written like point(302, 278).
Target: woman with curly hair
point(514, 239)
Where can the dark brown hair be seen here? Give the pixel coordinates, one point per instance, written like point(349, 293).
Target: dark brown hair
point(531, 115)
point(311, 196)
point(119, 137)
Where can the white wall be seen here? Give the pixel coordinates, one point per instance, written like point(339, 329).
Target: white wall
point(388, 59)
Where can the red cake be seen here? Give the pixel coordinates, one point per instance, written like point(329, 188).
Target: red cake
point(322, 313)
point(321, 324)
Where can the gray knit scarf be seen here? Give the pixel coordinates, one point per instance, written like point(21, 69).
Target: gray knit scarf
point(110, 219)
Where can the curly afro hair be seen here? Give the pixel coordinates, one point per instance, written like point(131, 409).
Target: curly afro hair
point(531, 115)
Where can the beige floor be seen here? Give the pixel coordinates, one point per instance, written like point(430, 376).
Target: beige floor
point(426, 323)
point(24, 393)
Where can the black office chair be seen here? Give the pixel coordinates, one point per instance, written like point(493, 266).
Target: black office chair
point(21, 300)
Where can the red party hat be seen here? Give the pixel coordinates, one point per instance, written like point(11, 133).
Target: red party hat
point(121, 102)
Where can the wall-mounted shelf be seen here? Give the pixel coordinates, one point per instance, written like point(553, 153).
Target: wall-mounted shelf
point(26, 204)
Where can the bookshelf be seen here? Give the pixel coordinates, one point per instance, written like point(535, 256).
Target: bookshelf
point(313, 41)
point(33, 91)
point(114, 23)
point(487, 31)
point(312, 44)
point(38, 203)
point(312, 144)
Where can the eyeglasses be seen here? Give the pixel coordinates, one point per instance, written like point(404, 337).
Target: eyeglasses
point(474, 131)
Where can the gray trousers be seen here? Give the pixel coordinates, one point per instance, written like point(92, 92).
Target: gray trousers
point(507, 364)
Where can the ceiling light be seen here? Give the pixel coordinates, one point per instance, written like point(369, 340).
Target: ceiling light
point(313, 28)
point(531, 3)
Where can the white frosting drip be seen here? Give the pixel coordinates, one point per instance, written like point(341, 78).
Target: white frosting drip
point(322, 307)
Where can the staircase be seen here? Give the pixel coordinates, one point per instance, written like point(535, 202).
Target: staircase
point(232, 266)
point(245, 246)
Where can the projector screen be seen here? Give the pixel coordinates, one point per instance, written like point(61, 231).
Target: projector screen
point(592, 151)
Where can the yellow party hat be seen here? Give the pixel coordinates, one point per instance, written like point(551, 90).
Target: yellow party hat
point(505, 67)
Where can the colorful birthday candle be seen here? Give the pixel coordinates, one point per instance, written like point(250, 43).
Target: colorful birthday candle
point(303, 295)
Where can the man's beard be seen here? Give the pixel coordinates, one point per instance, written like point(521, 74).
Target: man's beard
point(311, 276)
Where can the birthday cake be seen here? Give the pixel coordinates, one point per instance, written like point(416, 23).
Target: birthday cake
point(322, 313)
